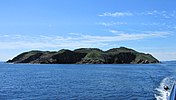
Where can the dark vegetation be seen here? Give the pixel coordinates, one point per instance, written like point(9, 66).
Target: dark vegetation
point(120, 55)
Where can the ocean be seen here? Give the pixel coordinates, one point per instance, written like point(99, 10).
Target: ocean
point(86, 82)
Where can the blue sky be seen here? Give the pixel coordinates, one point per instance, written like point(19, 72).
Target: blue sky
point(145, 25)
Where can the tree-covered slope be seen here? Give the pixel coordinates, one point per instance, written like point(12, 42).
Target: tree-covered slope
point(120, 55)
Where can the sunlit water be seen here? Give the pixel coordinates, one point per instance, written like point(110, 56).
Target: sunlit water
point(65, 82)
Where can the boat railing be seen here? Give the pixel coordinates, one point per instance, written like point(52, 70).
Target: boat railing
point(172, 95)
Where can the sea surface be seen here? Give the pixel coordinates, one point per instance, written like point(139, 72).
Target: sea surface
point(85, 82)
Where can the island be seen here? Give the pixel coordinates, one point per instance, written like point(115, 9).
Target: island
point(120, 55)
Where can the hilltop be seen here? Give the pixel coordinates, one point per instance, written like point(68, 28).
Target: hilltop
point(120, 55)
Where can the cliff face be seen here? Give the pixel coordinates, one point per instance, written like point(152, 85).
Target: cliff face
point(120, 55)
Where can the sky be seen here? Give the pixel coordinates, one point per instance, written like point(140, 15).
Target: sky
point(144, 25)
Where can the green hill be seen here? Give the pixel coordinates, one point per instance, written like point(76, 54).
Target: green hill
point(120, 55)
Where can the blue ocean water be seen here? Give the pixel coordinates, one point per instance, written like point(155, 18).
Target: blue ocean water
point(85, 82)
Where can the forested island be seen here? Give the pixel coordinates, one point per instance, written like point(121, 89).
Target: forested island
point(120, 55)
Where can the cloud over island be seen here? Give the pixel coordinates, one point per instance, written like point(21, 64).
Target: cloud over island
point(72, 40)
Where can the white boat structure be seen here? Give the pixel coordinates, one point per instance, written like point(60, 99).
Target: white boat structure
point(172, 94)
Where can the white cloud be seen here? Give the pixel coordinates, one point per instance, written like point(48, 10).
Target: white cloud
point(154, 24)
point(80, 40)
point(76, 34)
point(116, 31)
point(154, 13)
point(116, 14)
point(112, 23)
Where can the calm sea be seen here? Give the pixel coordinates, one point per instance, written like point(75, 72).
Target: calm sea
point(85, 82)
